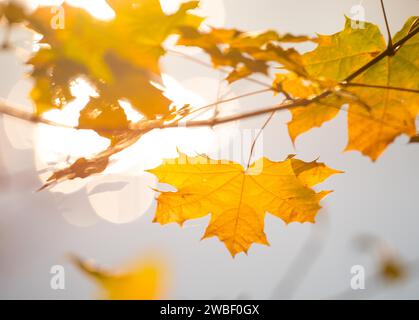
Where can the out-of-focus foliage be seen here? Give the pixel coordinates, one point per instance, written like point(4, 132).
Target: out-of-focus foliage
point(12, 12)
point(145, 280)
point(120, 58)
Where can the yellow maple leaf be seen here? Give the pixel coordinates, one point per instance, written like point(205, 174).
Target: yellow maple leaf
point(143, 280)
point(391, 112)
point(386, 105)
point(238, 199)
point(337, 55)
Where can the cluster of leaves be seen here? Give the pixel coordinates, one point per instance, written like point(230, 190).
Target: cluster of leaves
point(383, 99)
point(355, 68)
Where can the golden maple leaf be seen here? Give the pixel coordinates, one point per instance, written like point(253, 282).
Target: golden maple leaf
point(386, 104)
point(238, 199)
point(143, 280)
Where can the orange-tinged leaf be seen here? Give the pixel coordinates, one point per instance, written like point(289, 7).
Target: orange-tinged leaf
point(238, 199)
point(310, 116)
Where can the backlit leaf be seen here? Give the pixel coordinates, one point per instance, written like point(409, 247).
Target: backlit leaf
point(238, 199)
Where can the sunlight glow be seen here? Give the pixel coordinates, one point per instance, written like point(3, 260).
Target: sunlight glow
point(111, 194)
point(97, 8)
point(213, 10)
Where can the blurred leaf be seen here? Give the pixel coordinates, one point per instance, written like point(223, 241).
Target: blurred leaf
point(392, 270)
point(142, 281)
point(13, 12)
point(120, 58)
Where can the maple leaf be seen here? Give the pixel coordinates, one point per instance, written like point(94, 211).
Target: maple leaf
point(238, 199)
point(246, 53)
point(310, 116)
point(142, 281)
point(392, 112)
point(386, 88)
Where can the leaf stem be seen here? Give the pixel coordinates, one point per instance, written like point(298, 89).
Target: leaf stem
point(353, 84)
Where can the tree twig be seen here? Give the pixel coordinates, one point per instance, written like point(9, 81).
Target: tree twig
point(390, 41)
point(209, 65)
point(252, 148)
point(354, 84)
point(28, 116)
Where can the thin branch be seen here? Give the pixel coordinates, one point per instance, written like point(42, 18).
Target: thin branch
point(381, 56)
point(209, 65)
point(245, 95)
point(353, 84)
point(28, 116)
point(252, 148)
point(217, 104)
point(390, 41)
point(251, 114)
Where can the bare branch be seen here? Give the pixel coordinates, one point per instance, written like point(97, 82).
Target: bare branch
point(28, 116)
point(390, 41)
point(252, 148)
point(353, 84)
point(209, 65)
